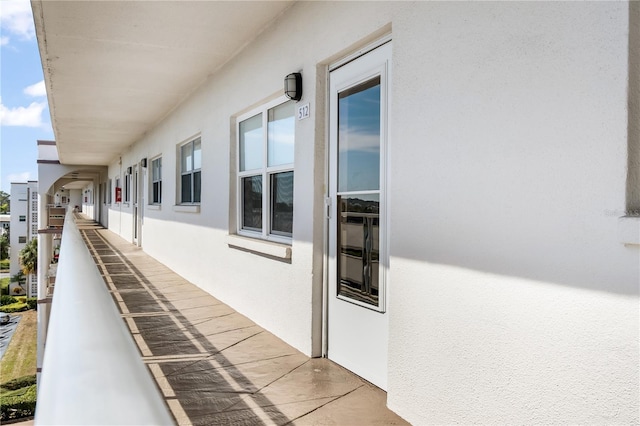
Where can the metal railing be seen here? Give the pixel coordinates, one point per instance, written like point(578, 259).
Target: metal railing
point(92, 371)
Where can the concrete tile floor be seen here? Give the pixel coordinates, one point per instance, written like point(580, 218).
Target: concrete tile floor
point(215, 366)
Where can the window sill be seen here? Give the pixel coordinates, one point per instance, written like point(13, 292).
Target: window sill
point(187, 208)
point(154, 207)
point(254, 245)
point(629, 230)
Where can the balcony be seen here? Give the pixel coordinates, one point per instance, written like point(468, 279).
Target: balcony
point(118, 314)
point(55, 217)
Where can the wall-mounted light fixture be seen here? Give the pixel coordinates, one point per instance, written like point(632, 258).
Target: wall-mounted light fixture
point(143, 162)
point(293, 86)
point(129, 170)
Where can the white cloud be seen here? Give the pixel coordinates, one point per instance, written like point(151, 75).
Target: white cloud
point(19, 177)
point(16, 19)
point(4, 41)
point(30, 116)
point(36, 90)
point(359, 139)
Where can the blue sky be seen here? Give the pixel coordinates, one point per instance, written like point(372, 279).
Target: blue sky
point(24, 111)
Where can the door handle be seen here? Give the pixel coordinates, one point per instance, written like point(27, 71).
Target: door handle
point(327, 203)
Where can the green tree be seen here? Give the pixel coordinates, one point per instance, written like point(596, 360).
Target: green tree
point(4, 203)
point(18, 278)
point(29, 257)
point(4, 246)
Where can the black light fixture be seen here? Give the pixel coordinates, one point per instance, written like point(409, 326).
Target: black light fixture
point(129, 170)
point(143, 162)
point(293, 86)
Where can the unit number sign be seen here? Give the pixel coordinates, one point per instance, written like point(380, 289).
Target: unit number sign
point(303, 112)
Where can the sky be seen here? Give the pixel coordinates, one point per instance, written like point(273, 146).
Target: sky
point(24, 111)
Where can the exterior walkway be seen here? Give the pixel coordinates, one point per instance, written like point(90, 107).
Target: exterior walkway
point(215, 366)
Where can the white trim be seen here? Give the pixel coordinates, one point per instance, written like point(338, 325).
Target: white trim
point(360, 52)
point(155, 207)
point(269, 248)
point(180, 173)
point(265, 172)
point(85, 322)
point(150, 193)
point(629, 229)
point(187, 208)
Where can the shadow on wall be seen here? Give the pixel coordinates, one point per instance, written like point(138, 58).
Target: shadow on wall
point(586, 256)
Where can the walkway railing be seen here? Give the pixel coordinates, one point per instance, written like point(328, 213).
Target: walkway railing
point(92, 371)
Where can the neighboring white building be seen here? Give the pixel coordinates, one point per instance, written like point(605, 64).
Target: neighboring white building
point(5, 223)
point(446, 210)
point(24, 227)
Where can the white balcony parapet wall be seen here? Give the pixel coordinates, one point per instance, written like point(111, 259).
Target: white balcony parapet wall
point(48, 152)
point(92, 371)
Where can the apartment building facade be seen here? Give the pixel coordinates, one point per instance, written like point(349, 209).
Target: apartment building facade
point(439, 197)
point(23, 228)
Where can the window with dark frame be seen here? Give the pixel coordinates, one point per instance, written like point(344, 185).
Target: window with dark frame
point(127, 184)
point(156, 181)
point(190, 165)
point(265, 182)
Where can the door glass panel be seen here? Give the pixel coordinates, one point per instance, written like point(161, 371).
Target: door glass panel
point(359, 247)
point(359, 137)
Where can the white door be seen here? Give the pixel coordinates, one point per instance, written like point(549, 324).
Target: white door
point(358, 255)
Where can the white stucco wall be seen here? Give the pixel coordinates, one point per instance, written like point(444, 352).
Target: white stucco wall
point(509, 283)
point(511, 298)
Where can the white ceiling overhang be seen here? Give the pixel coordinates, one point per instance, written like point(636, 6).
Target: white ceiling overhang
point(114, 69)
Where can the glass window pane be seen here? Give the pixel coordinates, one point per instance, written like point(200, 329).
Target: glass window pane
point(155, 169)
point(252, 203)
point(196, 187)
point(186, 189)
point(359, 137)
point(251, 143)
point(186, 155)
point(282, 203)
point(281, 134)
point(197, 154)
point(156, 192)
point(359, 247)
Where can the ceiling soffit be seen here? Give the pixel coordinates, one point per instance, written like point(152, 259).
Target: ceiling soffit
point(113, 69)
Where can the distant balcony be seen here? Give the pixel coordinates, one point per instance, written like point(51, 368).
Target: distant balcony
point(55, 217)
